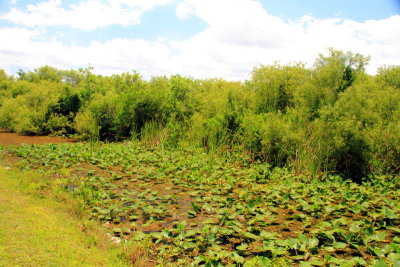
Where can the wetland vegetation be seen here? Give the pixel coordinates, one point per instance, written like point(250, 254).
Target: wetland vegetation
point(295, 166)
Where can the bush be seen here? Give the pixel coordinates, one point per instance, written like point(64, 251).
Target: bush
point(104, 109)
point(341, 147)
point(271, 137)
point(58, 124)
point(275, 86)
point(27, 112)
point(215, 133)
point(386, 147)
point(86, 125)
point(389, 76)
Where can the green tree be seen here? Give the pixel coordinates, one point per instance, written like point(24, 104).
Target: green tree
point(337, 71)
point(389, 75)
point(275, 86)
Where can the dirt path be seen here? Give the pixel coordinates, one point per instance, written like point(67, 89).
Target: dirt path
point(13, 139)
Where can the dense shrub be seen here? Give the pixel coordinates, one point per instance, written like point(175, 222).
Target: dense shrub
point(86, 125)
point(332, 117)
point(276, 86)
point(386, 147)
point(26, 112)
point(271, 137)
point(340, 146)
point(390, 76)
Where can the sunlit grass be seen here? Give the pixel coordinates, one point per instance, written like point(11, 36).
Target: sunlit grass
point(45, 232)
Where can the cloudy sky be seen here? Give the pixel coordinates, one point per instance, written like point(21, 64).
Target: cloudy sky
point(198, 38)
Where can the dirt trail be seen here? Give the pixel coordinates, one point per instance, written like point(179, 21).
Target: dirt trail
point(13, 139)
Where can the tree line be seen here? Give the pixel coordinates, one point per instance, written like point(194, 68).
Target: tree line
point(331, 117)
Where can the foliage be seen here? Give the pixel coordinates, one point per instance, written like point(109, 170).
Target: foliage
point(390, 76)
point(26, 113)
point(337, 71)
point(190, 208)
point(332, 117)
point(275, 86)
point(272, 137)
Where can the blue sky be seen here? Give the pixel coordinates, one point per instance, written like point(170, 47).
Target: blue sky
point(359, 10)
point(199, 38)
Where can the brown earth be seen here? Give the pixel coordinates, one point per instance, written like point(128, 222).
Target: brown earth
point(13, 139)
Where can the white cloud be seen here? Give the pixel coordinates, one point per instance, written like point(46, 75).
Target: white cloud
point(86, 15)
point(183, 11)
point(240, 35)
point(114, 56)
point(143, 4)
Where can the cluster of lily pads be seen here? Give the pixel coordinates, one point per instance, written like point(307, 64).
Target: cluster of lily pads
point(192, 208)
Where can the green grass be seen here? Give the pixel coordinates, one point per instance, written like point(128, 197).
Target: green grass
point(42, 231)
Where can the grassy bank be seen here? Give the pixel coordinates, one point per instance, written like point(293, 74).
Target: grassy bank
point(38, 230)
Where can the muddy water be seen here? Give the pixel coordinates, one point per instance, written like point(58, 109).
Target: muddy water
point(13, 139)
